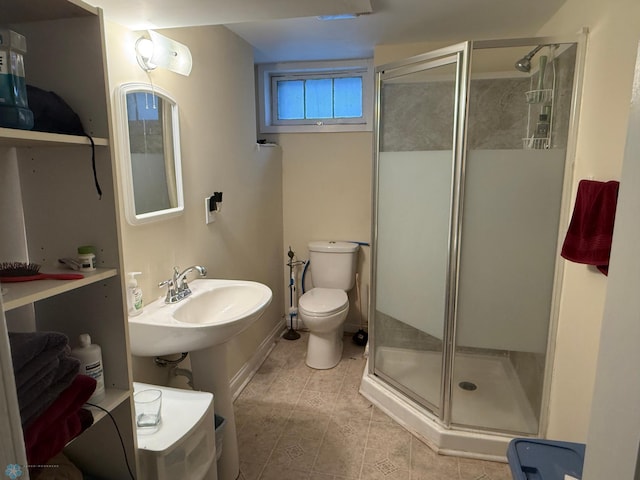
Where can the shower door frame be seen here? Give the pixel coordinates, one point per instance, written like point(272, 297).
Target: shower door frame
point(457, 54)
point(464, 51)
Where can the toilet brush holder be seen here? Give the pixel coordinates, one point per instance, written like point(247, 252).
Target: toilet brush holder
point(291, 334)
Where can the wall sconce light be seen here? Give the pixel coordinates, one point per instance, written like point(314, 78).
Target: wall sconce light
point(161, 51)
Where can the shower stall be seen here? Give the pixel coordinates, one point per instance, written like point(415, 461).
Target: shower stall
point(473, 149)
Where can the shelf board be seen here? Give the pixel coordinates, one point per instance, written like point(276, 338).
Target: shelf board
point(40, 10)
point(14, 137)
point(23, 293)
point(113, 397)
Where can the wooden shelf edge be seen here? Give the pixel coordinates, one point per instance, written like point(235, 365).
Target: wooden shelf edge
point(14, 137)
point(24, 293)
point(113, 398)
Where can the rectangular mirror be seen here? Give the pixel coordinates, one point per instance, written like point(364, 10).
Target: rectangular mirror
point(149, 153)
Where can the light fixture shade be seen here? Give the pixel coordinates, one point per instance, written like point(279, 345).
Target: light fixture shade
point(161, 51)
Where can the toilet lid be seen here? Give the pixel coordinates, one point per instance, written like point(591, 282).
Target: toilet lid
point(323, 301)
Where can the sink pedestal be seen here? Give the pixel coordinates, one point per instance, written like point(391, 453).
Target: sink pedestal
point(209, 368)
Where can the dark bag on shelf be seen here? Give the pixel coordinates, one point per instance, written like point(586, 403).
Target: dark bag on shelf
point(53, 115)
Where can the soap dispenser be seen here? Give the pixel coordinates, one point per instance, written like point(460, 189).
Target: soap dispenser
point(134, 295)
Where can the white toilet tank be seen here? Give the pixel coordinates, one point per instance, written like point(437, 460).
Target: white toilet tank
point(333, 264)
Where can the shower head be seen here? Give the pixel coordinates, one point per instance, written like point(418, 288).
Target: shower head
point(524, 64)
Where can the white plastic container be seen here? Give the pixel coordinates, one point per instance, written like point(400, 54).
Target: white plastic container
point(184, 446)
point(134, 295)
point(87, 258)
point(90, 356)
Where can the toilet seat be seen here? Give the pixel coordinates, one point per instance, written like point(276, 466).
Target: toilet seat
point(321, 302)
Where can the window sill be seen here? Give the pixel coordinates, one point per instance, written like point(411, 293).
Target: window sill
point(331, 128)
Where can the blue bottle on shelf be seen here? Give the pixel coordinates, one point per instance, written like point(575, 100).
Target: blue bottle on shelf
point(14, 107)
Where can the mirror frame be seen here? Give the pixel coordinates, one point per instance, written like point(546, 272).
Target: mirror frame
point(126, 175)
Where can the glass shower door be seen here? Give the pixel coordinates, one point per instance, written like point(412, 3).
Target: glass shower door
point(509, 234)
point(414, 183)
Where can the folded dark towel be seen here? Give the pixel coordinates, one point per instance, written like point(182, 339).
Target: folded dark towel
point(42, 369)
point(42, 396)
point(37, 381)
point(61, 422)
point(30, 351)
point(590, 231)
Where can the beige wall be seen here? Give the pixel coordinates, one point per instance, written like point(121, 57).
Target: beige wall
point(219, 153)
point(614, 412)
point(614, 33)
point(327, 196)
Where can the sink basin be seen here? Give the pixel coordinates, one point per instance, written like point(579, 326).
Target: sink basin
point(216, 311)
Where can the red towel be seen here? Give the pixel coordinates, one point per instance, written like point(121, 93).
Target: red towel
point(60, 423)
point(590, 231)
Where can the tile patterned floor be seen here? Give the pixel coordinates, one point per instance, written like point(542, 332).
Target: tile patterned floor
point(296, 423)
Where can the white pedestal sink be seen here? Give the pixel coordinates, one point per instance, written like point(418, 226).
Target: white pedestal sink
point(202, 324)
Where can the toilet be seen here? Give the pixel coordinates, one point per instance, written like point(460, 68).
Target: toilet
point(184, 444)
point(324, 308)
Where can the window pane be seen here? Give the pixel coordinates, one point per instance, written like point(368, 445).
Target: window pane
point(347, 97)
point(318, 98)
point(290, 99)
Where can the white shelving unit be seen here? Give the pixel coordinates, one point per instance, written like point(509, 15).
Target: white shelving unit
point(49, 207)
point(10, 137)
point(24, 293)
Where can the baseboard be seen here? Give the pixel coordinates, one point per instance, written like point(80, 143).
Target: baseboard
point(249, 369)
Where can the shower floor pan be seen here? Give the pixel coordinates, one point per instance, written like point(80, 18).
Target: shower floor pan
point(498, 403)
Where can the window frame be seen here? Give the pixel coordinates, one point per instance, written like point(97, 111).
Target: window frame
point(268, 74)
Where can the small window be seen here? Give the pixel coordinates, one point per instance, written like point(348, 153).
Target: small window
point(332, 99)
point(316, 97)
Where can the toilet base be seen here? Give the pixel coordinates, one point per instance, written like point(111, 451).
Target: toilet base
point(324, 350)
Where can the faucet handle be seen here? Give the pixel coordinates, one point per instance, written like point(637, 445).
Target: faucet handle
point(184, 287)
point(171, 290)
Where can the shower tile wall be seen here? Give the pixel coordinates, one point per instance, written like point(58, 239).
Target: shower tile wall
point(394, 333)
point(414, 114)
point(417, 116)
point(498, 112)
point(529, 367)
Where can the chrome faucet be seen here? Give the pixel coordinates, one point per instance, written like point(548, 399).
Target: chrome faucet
point(177, 286)
point(181, 283)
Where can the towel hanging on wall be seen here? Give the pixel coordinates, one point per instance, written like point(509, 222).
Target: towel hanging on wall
point(590, 231)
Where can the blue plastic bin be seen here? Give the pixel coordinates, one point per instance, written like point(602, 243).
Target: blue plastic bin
point(533, 459)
